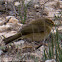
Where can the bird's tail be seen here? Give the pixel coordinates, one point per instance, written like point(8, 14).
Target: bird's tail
point(12, 38)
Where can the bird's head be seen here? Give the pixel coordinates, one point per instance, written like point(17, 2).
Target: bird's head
point(42, 21)
point(49, 22)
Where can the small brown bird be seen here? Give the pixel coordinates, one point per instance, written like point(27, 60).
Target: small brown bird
point(36, 30)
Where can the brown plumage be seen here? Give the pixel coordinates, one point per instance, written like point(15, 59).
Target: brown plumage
point(36, 30)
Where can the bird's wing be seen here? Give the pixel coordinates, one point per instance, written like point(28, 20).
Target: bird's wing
point(33, 29)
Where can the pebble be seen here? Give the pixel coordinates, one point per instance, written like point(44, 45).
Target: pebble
point(17, 3)
point(19, 42)
point(7, 17)
point(4, 28)
point(10, 33)
point(1, 52)
point(52, 60)
point(12, 19)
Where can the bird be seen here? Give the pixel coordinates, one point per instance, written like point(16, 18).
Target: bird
point(35, 30)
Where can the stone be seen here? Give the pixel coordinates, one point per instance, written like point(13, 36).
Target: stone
point(52, 60)
point(6, 59)
point(1, 52)
point(19, 42)
point(42, 49)
point(8, 17)
point(60, 4)
point(4, 28)
point(13, 20)
point(17, 3)
point(10, 33)
point(36, 6)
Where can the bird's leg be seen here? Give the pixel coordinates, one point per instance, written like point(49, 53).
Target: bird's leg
point(39, 44)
